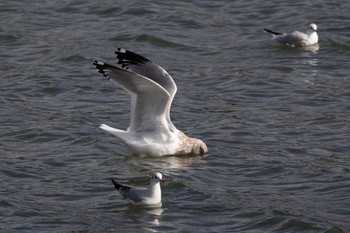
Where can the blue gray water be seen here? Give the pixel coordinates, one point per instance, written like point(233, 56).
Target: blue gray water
point(275, 119)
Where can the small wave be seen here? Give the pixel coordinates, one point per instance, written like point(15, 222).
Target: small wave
point(8, 38)
point(157, 41)
point(340, 42)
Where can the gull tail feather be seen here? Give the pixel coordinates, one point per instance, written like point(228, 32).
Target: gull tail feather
point(116, 184)
point(114, 131)
point(272, 32)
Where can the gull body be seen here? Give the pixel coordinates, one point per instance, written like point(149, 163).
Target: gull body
point(151, 195)
point(296, 38)
point(152, 90)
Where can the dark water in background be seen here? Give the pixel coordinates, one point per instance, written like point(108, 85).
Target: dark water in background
point(276, 120)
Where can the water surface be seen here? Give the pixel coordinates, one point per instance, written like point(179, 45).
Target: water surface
point(275, 119)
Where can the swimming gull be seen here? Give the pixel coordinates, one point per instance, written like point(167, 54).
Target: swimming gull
point(151, 195)
point(296, 38)
point(152, 91)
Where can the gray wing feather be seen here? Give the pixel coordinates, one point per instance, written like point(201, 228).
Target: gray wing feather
point(295, 38)
point(141, 65)
point(128, 192)
point(148, 98)
point(133, 195)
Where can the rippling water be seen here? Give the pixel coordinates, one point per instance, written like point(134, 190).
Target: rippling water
point(276, 120)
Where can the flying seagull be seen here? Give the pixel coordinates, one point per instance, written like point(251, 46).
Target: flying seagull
point(152, 91)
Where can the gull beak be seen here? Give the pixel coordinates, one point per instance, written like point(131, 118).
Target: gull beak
point(162, 181)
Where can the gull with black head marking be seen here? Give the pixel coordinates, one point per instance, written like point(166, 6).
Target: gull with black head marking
point(296, 38)
point(152, 90)
point(151, 195)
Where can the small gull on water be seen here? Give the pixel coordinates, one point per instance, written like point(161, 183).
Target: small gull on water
point(152, 91)
point(296, 38)
point(150, 195)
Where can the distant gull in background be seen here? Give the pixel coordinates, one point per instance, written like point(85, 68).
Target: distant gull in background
point(150, 195)
point(296, 38)
point(152, 91)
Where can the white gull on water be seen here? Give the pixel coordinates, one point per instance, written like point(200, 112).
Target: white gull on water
point(152, 91)
point(151, 195)
point(296, 38)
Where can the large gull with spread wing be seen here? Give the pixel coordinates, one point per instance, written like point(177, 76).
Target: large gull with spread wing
point(152, 91)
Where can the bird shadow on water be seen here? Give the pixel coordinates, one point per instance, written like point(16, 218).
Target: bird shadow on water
point(164, 163)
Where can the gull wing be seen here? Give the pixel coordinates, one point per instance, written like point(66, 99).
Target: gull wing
point(136, 195)
point(121, 187)
point(128, 192)
point(149, 100)
point(138, 64)
point(295, 38)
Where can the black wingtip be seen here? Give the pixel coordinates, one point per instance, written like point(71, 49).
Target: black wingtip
point(127, 56)
point(116, 184)
point(100, 66)
point(272, 32)
point(121, 50)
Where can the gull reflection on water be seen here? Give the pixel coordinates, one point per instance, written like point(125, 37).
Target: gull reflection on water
point(156, 214)
point(148, 214)
point(310, 59)
point(310, 55)
point(311, 48)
